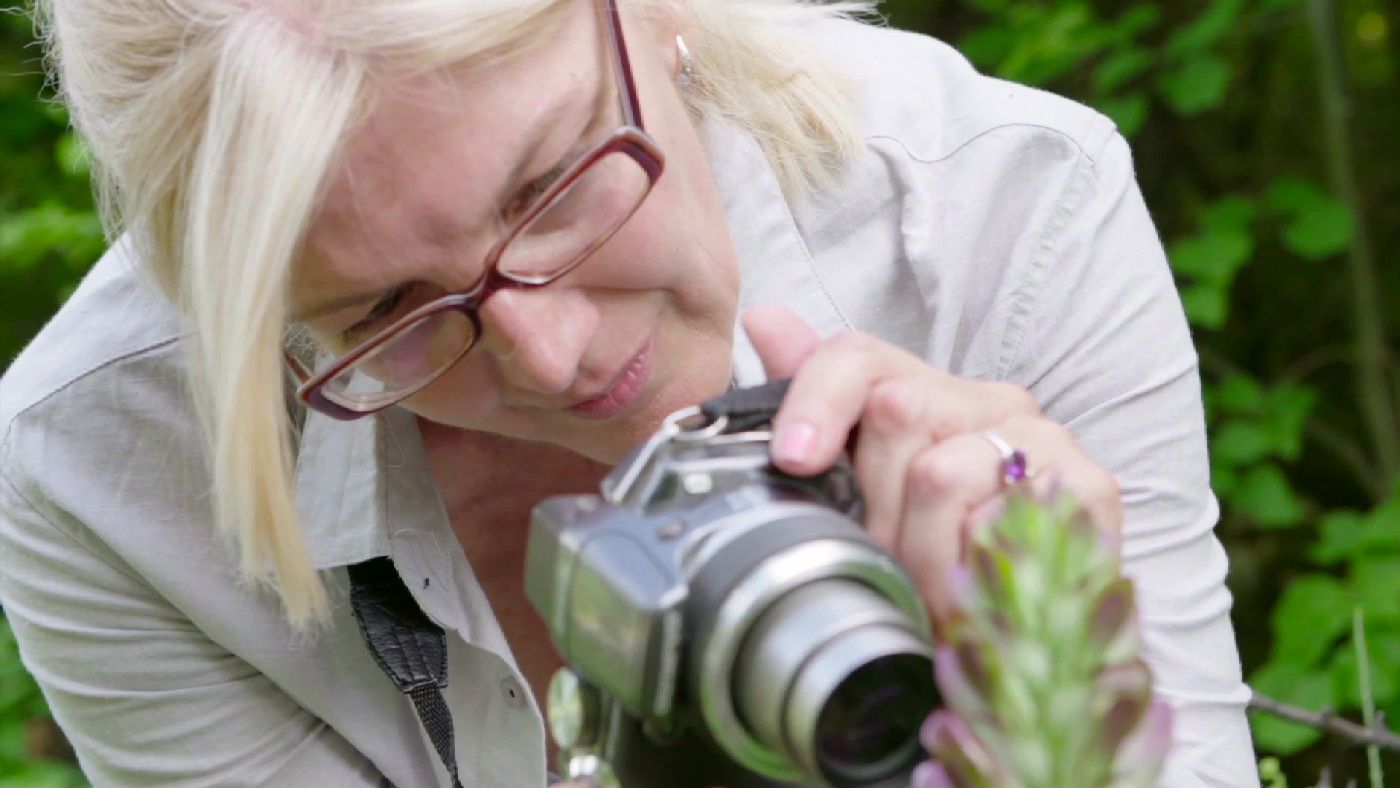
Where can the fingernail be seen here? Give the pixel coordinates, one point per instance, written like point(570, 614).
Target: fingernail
point(795, 442)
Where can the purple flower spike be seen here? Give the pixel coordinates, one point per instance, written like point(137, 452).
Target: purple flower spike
point(1145, 749)
point(930, 775)
point(953, 680)
point(929, 732)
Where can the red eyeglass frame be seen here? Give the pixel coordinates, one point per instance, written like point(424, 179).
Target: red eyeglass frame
point(631, 139)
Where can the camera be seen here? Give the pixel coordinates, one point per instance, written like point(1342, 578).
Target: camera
point(725, 623)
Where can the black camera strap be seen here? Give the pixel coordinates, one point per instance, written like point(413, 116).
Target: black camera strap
point(412, 650)
point(747, 408)
point(408, 646)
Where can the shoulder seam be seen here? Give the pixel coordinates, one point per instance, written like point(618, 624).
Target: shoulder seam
point(1091, 157)
point(9, 425)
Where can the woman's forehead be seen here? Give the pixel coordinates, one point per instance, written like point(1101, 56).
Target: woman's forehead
point(483, 118)
point(430, 162)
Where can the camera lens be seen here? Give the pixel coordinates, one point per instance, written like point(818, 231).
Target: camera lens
point(834, 676)
point(869, 728)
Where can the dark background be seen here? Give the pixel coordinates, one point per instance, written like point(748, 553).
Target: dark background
point(1265, 134)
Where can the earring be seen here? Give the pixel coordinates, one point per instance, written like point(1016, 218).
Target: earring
point(686, 78)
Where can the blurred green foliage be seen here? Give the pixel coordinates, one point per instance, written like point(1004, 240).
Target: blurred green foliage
point(1264, 134)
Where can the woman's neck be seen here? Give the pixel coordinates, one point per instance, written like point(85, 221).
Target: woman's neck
point(487, 479)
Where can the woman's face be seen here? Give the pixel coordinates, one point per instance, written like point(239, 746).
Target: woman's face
point(593, 361)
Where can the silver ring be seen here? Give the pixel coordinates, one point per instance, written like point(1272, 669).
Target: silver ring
point(1014, 466)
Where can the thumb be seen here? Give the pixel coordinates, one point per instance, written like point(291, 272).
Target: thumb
point(782, 339)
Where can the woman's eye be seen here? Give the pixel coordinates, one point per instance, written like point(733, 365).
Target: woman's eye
point(531, 193)
point(369, 322)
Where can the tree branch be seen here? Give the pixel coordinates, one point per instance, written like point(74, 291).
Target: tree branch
point(1350, 455)
point(1328, 721)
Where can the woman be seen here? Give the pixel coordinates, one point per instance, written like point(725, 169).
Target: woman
point(493, 244)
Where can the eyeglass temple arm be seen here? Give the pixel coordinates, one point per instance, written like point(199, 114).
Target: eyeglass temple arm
point(631, 107)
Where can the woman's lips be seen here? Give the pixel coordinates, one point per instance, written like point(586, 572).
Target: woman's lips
point(623, 393)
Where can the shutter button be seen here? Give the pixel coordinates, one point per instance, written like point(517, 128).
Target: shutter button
point(513, 693)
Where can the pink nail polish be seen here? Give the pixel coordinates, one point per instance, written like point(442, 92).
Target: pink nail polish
point(795, 442)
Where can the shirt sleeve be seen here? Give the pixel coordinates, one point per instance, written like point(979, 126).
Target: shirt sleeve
point(144, 696)
point(1102, 342)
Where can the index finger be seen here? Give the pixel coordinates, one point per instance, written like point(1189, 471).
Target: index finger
point(829, 393)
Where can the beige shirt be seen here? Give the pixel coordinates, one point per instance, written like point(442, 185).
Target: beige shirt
point(994, 230)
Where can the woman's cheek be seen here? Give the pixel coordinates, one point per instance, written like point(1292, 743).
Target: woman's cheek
point(462, 397)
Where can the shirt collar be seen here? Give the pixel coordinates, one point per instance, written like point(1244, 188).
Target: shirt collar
point(351, 475)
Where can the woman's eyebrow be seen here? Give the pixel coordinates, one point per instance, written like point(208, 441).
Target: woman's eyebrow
point(548, 122)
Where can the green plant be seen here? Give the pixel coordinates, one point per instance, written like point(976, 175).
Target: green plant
point(1040, 664)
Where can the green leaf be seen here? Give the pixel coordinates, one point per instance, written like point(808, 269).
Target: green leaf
point(1290, 194)
point(1205, 30)
point(1383, 648)
point(1287, 411)
point(1224, 479)
point(72, 158)
point(1230, 214)
point(1310, 689)
point(1198, 85)
point(1129, 113)
point(1271, 773)
point(1241, 442)
point(1342, 533)
point(1206, 305)
point(1135, 21)
point(1316, 224)
point(43, 774)
point(1347, 535)
point(1325, 230)
point(1375, 580)
point(1051, 40)
point(1213, 256)
point(29, 236)
point(1120, 68)
point(1240, 395)
point(1313, 612)
point(1266, 496)
point(988, 46)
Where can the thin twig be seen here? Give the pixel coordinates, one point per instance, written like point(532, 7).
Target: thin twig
point(1328, 721)
point(1310, 363)
point(1350, 455)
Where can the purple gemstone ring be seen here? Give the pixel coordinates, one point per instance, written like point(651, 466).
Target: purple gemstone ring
point(1014, 466)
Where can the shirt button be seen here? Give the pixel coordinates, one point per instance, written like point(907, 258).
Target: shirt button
point(513, 692)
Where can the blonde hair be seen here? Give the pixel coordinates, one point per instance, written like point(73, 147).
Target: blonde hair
point(213, 127)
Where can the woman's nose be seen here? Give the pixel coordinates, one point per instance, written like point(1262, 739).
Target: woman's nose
point(537, 336)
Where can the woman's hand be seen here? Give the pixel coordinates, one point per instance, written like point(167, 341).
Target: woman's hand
point(927, 472)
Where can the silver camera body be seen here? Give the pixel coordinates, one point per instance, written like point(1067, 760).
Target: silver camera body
point(727, 623)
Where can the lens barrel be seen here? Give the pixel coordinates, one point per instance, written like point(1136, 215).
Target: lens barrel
point(832, 676)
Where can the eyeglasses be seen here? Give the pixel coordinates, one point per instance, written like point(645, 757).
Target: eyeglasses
point(577, 213)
